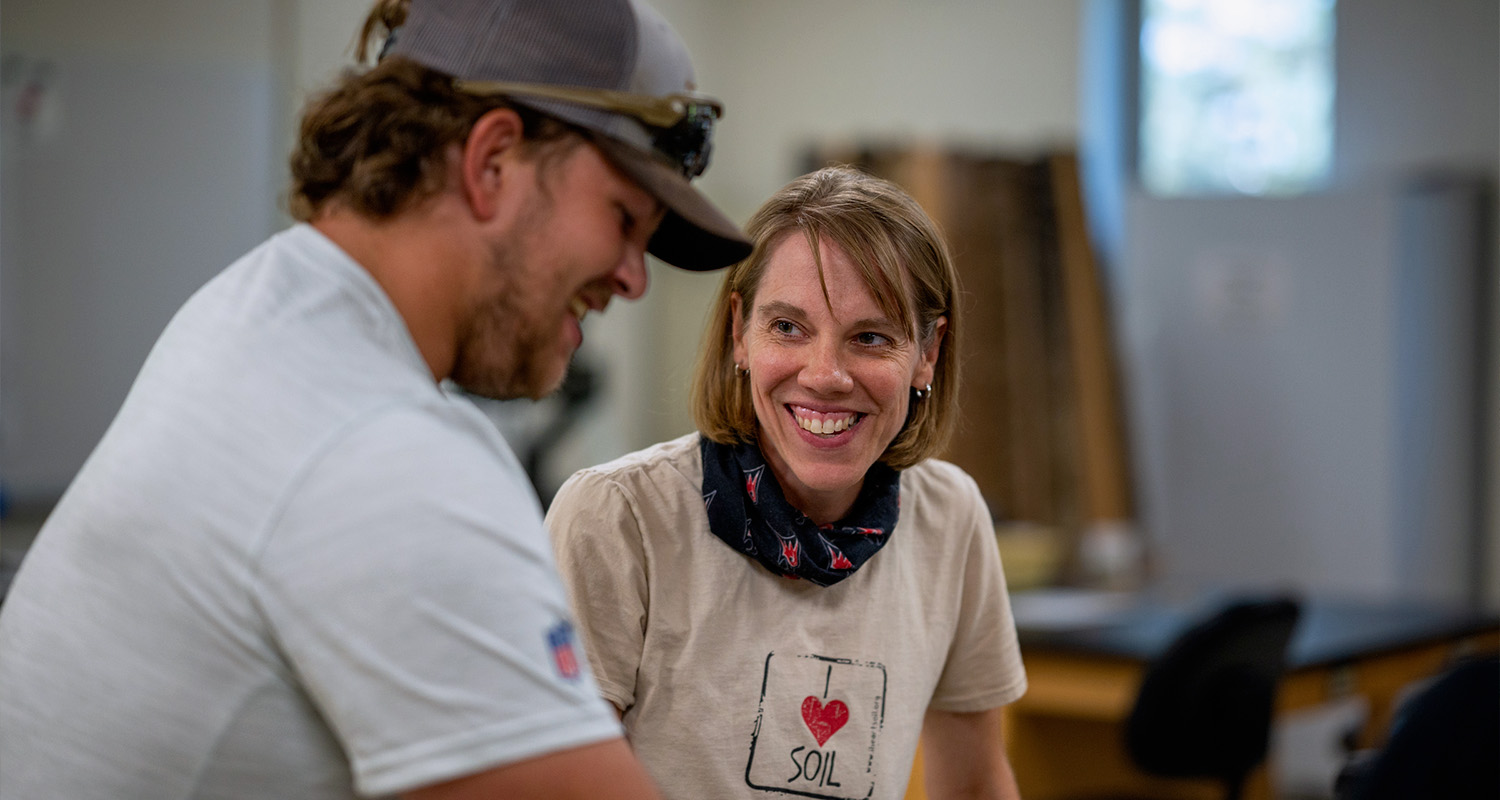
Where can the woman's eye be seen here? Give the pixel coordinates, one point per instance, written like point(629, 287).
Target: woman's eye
point(871, 339)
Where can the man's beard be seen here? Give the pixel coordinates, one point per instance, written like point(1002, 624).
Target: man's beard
point(506, 350)
point(505, 355)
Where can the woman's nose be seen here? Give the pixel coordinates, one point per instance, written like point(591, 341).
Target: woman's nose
point(825, 372)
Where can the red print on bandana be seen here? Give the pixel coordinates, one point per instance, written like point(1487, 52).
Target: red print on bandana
point(752, 483)
point(836, 560)
point(870, 531)
point(791, 552)
point(824, 721)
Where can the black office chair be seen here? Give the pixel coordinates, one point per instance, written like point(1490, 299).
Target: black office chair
point(1205, 705)
point(1444, 743)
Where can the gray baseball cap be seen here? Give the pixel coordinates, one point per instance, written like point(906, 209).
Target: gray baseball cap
point(612, 67)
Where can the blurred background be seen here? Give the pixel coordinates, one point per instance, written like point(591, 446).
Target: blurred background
point(1230, 264)
point(1287, 229)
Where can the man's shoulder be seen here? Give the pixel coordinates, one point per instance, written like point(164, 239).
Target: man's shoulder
point(410, 469)
point(425, 438)
point(284, 349)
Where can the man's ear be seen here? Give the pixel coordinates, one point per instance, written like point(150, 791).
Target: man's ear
point(493, 142)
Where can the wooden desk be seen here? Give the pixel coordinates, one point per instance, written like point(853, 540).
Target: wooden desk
point(1064, 736)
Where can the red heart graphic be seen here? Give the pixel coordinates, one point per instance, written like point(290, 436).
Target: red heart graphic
point(824, 721)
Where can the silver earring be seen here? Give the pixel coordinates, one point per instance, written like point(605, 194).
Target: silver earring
point(923, 393)
point(739, 372)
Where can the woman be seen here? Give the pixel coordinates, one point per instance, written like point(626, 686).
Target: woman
point(785, 600)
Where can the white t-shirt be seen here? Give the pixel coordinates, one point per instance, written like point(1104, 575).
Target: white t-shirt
point(293, 567)
point(738, 683)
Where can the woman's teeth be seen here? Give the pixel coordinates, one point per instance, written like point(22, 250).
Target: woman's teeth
point(825, 427)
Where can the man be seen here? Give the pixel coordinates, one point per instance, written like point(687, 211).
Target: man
point(296, 565)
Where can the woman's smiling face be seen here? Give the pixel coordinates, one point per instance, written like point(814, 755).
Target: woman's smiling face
point(830, 385)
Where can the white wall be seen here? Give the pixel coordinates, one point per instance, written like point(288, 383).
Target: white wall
point(796, 73)
point(172, 30)
point(1301, 396)
point(1416, 87)
point(1395, 119)
point(148, 166)
point(1279, 435)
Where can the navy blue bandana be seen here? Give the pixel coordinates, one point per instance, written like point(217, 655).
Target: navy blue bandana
point(747, 510)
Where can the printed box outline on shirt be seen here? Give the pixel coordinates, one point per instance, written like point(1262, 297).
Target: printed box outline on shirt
point(821, 722)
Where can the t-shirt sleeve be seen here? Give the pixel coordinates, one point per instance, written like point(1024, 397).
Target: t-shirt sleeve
point(597, 540)
point(410, 586)
point(984, 668)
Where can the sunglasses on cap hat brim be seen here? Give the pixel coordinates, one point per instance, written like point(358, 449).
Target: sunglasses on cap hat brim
point(683, 122)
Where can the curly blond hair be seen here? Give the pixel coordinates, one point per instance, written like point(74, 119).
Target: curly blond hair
point(378, 140)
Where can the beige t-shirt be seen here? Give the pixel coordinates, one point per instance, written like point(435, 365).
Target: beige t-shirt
point(736, 682)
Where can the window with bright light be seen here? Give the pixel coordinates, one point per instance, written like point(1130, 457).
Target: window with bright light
point(1236, 96)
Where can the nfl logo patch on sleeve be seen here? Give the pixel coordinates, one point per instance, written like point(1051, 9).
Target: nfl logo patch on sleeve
point(564, 654)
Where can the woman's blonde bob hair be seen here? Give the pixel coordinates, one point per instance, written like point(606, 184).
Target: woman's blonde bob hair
point(905, 263)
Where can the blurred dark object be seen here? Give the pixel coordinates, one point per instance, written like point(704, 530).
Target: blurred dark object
point(1085, 664)
point(1444, 743)
point(1205, 705)
point(8, 568)
point(577, 390)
